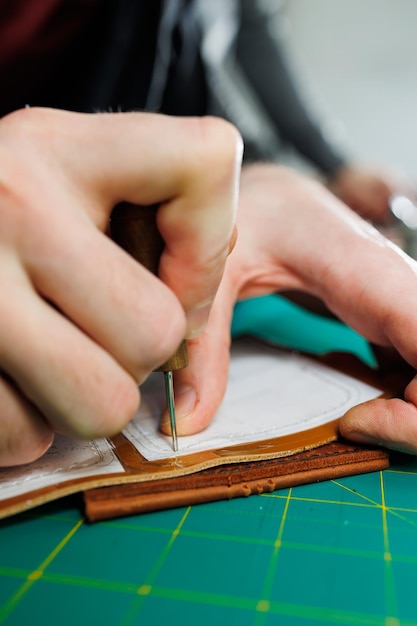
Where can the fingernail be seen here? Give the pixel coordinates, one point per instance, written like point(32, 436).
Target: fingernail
point(185, 401)
point(197, 319)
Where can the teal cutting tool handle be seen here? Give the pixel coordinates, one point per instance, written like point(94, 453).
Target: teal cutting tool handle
point(276, 320)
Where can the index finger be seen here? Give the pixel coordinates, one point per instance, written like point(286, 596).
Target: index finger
point(189, 166)
point(197, 216)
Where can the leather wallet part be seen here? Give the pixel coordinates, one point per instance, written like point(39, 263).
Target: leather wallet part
point(139, 470)
point(333, 460)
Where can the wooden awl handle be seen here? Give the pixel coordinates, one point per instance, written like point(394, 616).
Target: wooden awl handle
point(134, 228)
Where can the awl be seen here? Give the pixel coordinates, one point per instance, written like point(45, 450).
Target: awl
point(134, 228)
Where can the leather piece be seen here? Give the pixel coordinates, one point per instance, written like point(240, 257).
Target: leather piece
point(167, 477)
point(330, 461)
point(304, 461)
point(135, 464)
point(138, 470)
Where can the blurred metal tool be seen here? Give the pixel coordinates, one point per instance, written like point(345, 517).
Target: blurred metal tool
point(405, 210)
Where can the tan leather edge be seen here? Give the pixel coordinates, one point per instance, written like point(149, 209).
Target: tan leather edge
point(148, 471)
point(101, 509)
point(137, 469)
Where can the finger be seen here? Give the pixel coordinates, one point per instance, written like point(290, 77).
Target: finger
point(380, 309)
point(200, 387)
point(25, 435)
point(75, 384)
point(189, 165)
point(347, 277)
point(197, 223)
point(110, 297)
point(389, 423)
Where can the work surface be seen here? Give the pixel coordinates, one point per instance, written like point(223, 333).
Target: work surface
point(338, 552)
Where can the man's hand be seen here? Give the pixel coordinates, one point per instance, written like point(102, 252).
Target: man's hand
point(82, 324)
point(294, 234)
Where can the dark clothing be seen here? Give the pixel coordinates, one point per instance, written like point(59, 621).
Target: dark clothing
point(270, 73)
point(107, 61)
point(111, 55)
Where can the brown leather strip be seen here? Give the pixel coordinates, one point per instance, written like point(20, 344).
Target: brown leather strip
point(225, 482)
point(162, 481)
point(135, 463)
point(138, 469)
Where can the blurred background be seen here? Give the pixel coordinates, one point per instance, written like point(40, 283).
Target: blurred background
point(359, 61)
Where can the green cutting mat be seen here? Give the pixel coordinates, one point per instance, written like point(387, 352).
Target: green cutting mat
point(339, 552)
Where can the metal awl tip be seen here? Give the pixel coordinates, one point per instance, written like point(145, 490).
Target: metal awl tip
point(169, 389)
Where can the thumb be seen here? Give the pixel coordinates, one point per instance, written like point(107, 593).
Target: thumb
point(200, 387)
point(389, 423)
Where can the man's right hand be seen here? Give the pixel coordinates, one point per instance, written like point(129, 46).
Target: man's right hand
point(83, 324)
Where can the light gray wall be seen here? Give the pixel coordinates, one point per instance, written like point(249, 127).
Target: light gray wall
point(360, 56)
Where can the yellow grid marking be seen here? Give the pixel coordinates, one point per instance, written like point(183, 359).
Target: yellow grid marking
point(146, 588)
point(393, 511)
point(357, 493)
point(317, 500)
point(397, 471)
point(263, 606)
point(314, 614)
point(390, 596)
point(35, 575)
point(369, 503)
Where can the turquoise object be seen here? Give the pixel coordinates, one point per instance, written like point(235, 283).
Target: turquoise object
point(276, 320)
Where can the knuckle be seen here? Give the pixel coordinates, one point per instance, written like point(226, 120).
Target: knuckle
point(23, 126)
point(120, 400)
point(168, 331)
point(121, 407)
point(30, 123)
point(117, 406)
point(222, 146)
point(25, 133)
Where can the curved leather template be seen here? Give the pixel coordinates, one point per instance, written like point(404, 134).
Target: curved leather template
point(326, 462)
point(198, 475)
